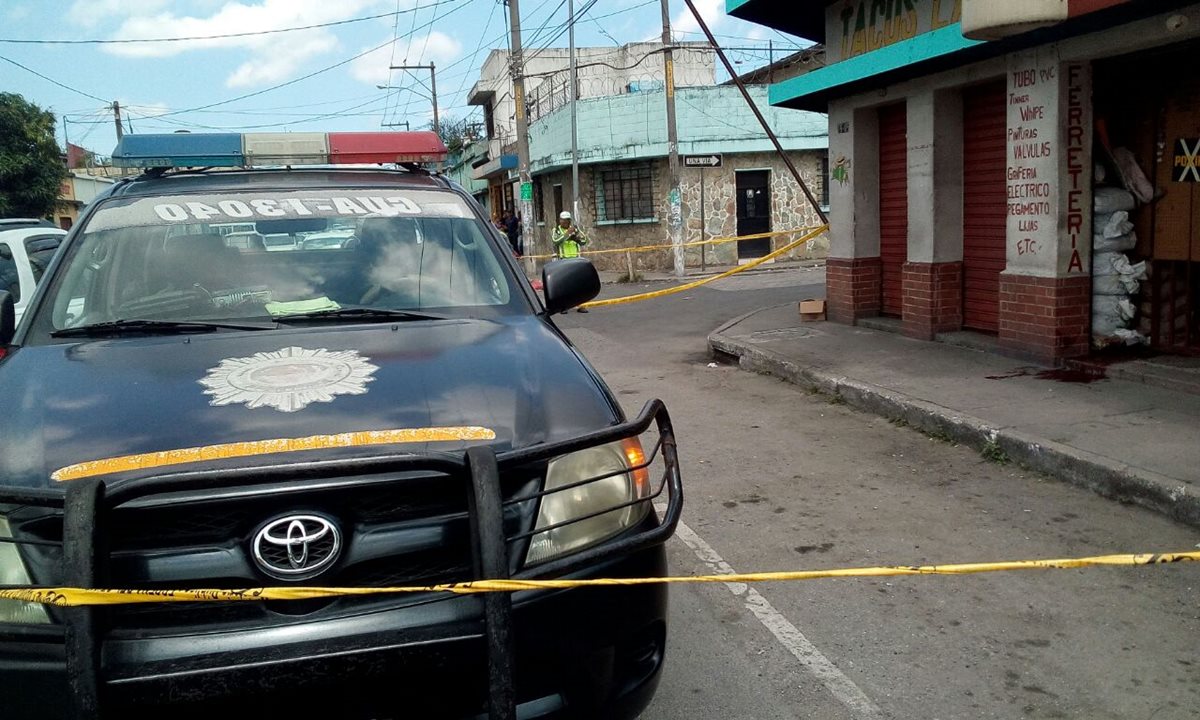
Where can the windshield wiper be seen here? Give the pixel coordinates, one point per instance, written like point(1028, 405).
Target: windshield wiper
point(360, 314)
point(113, 327)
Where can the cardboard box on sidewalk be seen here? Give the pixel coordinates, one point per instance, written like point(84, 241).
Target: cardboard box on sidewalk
point(812, 310)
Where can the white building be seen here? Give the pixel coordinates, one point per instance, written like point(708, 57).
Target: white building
point(602, 72)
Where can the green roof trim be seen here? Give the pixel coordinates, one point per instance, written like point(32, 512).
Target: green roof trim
point(927, 46)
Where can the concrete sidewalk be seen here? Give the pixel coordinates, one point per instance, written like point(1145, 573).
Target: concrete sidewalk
point(1126, 440)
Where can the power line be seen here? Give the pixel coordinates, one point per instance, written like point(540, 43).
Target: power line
point(578, 15)
point(265, 110)
point(478, 46)
point(407, 50)
point(533, 37)
point(121, 41)
point(392, 54)
point(53, 81)
point(323, 70)
point(344, 112)
point(251, 94)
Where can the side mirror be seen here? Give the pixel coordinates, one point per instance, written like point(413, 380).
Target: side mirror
point(569, 282)
point(8, 318)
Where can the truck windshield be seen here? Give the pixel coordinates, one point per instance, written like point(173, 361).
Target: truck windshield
point(241, 255)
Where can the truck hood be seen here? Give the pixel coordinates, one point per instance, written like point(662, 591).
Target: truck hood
point(77, 402)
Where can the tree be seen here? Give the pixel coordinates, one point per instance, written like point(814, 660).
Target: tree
point(457, 134)
point(31, 166)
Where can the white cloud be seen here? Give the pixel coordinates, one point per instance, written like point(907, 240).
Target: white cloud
point(234, 17)
point(272, 58)
point(276, 63)
point(438, 47)
point(713, 12)
point(90, 13)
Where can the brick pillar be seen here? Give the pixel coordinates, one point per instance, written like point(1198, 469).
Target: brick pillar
point(853, 287)
point(932, 299)
point(1045, 319)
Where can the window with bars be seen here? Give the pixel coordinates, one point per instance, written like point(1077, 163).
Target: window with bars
point(625, 193)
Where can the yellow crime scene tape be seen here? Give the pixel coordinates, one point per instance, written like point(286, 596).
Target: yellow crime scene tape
point(78, 597)
point(704, 281)
point(669, 246)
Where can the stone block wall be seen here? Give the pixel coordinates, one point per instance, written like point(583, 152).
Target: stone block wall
point(789, 209)
point(608, 235)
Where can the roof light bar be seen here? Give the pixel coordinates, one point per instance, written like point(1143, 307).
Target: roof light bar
point(285, 149)
point(377, 147)
point(184, 149)
point(179, 150)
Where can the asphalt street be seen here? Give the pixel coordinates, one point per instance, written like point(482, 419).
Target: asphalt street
point(780, 479)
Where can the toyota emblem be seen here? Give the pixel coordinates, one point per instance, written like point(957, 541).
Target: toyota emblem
point(297, 547)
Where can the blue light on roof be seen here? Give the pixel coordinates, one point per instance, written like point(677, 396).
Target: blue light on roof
point(179, 150)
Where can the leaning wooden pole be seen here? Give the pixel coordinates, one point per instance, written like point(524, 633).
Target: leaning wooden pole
point(754, 108)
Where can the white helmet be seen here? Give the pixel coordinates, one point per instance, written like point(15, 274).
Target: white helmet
point(564, 215)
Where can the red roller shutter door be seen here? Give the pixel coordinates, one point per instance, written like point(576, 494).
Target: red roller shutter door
point(893, 204)
point(984, 204)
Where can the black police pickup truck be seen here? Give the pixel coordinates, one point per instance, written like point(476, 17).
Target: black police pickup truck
point(198, 398)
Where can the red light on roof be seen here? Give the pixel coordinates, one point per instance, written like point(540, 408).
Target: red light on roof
point(386, 147)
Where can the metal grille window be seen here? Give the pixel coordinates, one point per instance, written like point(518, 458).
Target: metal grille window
point(539, 203)
point(625, 193)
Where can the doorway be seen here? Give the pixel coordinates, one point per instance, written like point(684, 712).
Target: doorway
point(1144, 105)
point(753, 212)
point(985, 204)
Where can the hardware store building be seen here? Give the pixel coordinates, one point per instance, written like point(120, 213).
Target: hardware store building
point(1007, 168)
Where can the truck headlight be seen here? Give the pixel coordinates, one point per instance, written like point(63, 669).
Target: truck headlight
point(13, 572)
point(627, 482)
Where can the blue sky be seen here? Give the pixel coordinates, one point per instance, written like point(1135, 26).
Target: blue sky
point(167, 86)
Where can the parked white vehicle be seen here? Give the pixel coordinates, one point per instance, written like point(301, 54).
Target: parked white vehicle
point(26, 248)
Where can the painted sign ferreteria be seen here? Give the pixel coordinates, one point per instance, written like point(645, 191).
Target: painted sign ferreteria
point(1048, 169)
point(855, 27)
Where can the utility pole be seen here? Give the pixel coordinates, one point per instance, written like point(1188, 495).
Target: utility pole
point(674, 201)
point(574, 96)
point(437, 126)
point(518, 78)
point(116, 108)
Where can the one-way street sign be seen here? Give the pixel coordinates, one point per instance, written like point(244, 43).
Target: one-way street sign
point(702, 161)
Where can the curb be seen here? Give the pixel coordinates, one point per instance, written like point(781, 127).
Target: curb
point(801, 265)
point(1107, 477)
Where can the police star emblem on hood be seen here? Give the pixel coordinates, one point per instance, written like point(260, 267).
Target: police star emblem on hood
point(288, 379)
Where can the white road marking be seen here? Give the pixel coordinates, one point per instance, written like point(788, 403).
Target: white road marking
point(834, 680)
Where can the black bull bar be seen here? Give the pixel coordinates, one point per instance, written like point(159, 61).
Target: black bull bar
point(87, 504)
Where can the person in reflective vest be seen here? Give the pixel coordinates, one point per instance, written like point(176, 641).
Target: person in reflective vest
point(568, 239)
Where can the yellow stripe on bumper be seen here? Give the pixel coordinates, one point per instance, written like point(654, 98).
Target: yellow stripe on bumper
point(225, 451)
